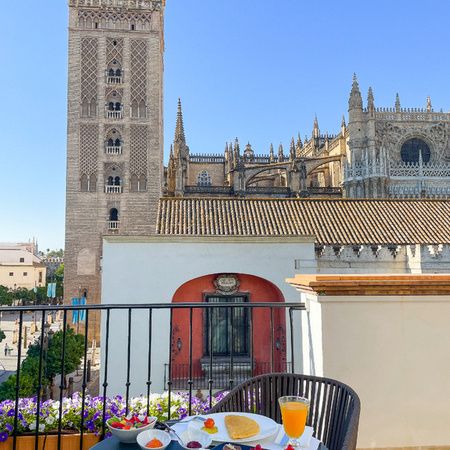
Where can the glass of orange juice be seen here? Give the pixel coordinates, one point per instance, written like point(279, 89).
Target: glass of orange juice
point(294, 412)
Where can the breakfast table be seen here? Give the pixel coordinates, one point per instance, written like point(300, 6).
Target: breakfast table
point(113, 443)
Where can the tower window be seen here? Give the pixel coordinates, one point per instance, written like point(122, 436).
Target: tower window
point(133, 27)
point(96, 25)
point(413, 148)
point(113, 215)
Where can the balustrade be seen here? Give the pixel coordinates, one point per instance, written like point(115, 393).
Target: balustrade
point(113, 225)
point(113, 189)
point(113, 150)
point(114, 114)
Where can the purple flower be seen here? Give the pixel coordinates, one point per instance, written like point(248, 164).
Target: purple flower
point(3, 436)
point(11, 413)
point(9, 427)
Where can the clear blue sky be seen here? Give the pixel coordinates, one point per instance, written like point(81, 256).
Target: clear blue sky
point(258, 70)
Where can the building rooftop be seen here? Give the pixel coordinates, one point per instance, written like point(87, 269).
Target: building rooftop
point(331, 221)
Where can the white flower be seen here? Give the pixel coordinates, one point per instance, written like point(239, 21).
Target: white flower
point(50, 420)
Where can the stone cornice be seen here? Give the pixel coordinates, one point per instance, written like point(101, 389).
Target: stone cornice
point(373, 285)
point(150, 5)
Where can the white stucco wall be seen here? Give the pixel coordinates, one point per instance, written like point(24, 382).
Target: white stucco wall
point(395, 353)
point(150, 270)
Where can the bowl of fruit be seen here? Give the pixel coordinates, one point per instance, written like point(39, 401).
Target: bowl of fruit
point(126, 429)
point(154, 439)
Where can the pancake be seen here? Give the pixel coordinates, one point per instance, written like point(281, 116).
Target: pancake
point(241, 427)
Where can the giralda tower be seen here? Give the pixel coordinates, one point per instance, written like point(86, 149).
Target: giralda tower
point(114, 132)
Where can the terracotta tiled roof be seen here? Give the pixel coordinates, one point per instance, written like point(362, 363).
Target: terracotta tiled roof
point(341, 221)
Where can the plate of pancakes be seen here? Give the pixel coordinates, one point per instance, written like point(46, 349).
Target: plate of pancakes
point(238, 427)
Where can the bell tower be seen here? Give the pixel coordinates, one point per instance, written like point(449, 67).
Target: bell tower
point(114, 131)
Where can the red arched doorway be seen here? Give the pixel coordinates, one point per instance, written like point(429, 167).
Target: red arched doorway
point(259, 344)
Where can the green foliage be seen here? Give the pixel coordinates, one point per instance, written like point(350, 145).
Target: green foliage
point(59, 272)
point(2, 335)
point(27, 387)
point(55, 253)
point(41, 295)
point(74, 352)
point(6, 296)
point(59, 279)
point(51, 364)
point(27, 296)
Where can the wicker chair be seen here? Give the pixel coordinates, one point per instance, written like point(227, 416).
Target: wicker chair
point(334, 408)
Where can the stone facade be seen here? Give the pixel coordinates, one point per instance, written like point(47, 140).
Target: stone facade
point(396, 152)
point(381, 153)
point(115, 129)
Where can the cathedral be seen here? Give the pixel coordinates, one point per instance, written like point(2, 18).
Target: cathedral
point(382, 153)
point(115, 172)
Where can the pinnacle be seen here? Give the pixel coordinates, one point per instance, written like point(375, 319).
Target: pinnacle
point(179, 129)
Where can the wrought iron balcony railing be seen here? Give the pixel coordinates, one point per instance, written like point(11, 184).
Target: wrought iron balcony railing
point(274, 321)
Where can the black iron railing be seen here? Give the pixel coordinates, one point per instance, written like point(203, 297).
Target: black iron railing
point(210, 373)
point(242, 370)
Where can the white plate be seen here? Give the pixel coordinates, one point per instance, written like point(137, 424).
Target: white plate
point(267, 427)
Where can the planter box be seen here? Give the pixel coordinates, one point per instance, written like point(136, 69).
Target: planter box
point(50, 442)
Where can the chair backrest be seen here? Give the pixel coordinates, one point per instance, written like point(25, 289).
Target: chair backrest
point(334, 406)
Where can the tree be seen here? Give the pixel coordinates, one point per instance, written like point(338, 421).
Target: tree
point(51, 364)
point(74, 352)
point(6, 296)
point(59, 278)
point(2, 335)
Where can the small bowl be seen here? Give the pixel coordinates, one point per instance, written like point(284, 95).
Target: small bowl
point(129, 436)
point(202, 437)
point(146, 436)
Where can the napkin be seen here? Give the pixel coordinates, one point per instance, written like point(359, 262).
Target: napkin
point(279, 441)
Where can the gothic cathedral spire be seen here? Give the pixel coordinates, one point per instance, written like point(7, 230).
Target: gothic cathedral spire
point(355, 101)
point(179, 129)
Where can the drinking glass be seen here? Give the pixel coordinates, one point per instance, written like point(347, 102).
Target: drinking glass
point(294, 411)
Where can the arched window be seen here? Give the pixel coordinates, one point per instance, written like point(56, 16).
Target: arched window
point(113, 215)
point(110, 181)
point(93, 108)
point(142, 183)
point(204, 179)
point(142, 109)
point(134, 109)
point(134, 183)
point(111, 106)
point(411, 150)
point(118, 73)
point(84, 184)
point(85, 108)
point(117, 142)
point(110, 142)
point(111, 72)
point(92, 183)
point(117, 181)
point(117, 106)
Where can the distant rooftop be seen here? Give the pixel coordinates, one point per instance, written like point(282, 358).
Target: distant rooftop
point(331, 221)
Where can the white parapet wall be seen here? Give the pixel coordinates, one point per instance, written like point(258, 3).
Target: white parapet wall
point(394, 350)
point(151, 269)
